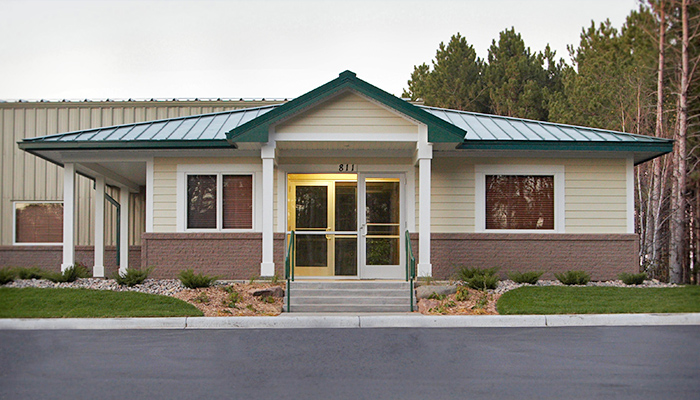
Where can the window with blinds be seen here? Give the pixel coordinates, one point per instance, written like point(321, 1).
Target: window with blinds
point(520, 202)
point(205, 210)
point(38, 223)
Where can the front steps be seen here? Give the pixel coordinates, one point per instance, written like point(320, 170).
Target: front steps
point(349, 296)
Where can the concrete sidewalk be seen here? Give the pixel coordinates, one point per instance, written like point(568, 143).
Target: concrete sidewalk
point(405, 320)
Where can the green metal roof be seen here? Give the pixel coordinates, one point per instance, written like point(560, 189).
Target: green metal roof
point(257, 130)
point(467, 130)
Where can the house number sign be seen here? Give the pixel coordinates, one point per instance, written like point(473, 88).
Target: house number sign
point(346, 167)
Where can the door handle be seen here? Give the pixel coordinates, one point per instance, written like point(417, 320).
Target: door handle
point(328, 237)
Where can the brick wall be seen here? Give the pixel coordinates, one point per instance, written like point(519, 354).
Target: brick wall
point(51, 257)
point(604, 256)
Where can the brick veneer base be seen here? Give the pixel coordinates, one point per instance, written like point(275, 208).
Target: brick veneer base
point(51, 257)
point(604, 256)
point(238, 255)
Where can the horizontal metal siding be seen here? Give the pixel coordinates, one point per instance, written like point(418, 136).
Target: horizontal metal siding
point(29, 178)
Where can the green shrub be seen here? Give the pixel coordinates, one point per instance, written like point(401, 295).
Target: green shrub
point(233, 299)
point(573, 277)
point(70, 274)
point(479, 279)
point(29, 273)
point(7, 275)
point(530, 277)
point(483, 282)
point(435, 296)
point(632, 279)
point(132, 276)
point(193, 281)
point(202, 298)
point(462, 294)
point(465, 273)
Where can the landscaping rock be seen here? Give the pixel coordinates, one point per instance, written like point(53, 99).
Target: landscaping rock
point(423, 292)
point(274, 291)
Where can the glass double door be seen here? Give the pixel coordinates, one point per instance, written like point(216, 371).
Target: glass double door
point(333, 239)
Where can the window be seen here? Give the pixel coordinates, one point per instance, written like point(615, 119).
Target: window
point(219, 201)
point(38, 223)
point(519, 202)
point(512, 198)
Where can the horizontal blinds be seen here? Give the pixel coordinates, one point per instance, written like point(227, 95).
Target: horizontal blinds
point(519, 202)
point(238, 202)
point(39, 223)
point(201, 201)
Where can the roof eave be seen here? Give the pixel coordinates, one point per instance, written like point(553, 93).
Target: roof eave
point(126, 145)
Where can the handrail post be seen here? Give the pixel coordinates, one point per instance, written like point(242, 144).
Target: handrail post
point(410, 266)
point(289, 267)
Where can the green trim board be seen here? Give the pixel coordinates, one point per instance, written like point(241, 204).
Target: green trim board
point(256, 130)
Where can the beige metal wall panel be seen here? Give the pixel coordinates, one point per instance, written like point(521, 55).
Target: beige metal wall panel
point(28, 178)
point(165, 195)
point(348, 113)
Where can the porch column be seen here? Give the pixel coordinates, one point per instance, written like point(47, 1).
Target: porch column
point(98, 270)
point(123, 229)
point(267, 267)
point(68, 216)
point(424, 156)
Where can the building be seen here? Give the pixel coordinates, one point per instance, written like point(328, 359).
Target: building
point(351, 170)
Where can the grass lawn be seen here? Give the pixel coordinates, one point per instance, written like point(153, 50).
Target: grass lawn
point(85, 303)
point(598, 300)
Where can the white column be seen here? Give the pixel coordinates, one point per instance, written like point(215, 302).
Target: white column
point(149, 196)
point(267, 267)
point(98, 270)
point(425, 268)
point(68, 216)
point(124, 229)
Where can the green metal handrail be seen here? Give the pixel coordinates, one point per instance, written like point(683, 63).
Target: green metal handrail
point(410, 265)
point(289, 265)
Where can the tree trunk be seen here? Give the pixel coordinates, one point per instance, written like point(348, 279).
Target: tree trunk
point(678, 220)
point(653, 217)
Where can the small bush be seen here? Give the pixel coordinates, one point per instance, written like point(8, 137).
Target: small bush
point(132, 276)
point(229, 289)
point(233, 299)
point(483, 282)
point(462, 294)
point(70, 274)
point(574, 277)
point(479, 279)
point(7, 275)
point(465, 273)
point(530, 277)
point(29, 273)
point(194, 281)
point(201, 298)
point(632, 279)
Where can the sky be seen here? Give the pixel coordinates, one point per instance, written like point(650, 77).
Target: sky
point(161, 49)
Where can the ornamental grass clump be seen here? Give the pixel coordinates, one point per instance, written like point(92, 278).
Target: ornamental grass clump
point(574, 277)
point(132, 276)
point(70, 274)
point(29, 273)
point(632, 279)
point(7, 275)
point(194, 281)
point(478, 278)
point(530, 277)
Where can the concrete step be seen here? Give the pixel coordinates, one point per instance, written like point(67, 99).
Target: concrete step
point(378, 301)
point(346, 308)
point(349, 296)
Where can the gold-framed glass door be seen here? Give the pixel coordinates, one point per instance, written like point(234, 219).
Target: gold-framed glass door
point(322, 210)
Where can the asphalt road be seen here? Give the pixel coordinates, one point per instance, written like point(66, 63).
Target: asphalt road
point(479, 363)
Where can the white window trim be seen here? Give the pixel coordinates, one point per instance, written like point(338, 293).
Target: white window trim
point(183, 170)
point(14, 222)
point(557, 171)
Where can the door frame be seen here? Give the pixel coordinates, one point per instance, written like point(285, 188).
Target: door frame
point(407, 177)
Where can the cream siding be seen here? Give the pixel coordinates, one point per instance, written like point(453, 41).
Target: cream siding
point(595, 193)
point(165, 172)
point(348, 113)
point(26, 177)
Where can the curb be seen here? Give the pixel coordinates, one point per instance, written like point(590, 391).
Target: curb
point(328, 321)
